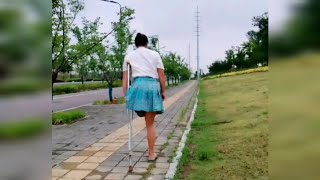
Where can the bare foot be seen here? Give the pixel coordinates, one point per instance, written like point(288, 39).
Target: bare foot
point(153, 157)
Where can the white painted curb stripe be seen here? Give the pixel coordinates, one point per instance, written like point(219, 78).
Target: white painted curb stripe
point(173, 166)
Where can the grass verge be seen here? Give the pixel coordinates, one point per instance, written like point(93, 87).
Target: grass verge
point(105, 102)
point(260, 69)
point(229, 136)
point(67, 117)
point(22, 130)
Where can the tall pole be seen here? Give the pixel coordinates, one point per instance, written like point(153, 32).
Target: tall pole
point(198, 57)
point(189, 59)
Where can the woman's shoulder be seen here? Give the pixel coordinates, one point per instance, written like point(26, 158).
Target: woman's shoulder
point(152, 52)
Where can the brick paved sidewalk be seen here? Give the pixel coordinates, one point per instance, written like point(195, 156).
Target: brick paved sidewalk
point(107, 158)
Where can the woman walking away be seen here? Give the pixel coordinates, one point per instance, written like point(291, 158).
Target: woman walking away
point(147, 92)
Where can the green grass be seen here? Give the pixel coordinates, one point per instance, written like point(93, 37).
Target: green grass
point(229, 136)
point(105, 102)
point(22, 130)
point(248, 71)
point(67, 117)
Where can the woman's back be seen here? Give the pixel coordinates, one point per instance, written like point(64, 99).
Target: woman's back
point(144, 62)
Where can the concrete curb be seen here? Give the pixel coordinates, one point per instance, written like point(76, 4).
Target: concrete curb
point(173, 166)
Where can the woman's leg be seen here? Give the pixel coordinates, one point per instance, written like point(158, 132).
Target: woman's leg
point(151, 133)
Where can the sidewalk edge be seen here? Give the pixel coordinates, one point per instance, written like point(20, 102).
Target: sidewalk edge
point(173, 166)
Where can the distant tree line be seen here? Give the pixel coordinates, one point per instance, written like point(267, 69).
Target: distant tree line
point(249, 54)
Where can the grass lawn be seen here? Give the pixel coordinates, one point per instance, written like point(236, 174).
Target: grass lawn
point(229, 136)
point(67, 117)
point(120, 100)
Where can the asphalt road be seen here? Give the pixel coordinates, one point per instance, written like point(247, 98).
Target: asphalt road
point(71, 101)
point(70, 83)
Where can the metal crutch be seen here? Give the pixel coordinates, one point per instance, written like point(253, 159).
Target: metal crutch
point(130, 113)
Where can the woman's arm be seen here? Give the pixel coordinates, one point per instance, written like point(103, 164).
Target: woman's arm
point(125, 82)
point(162, 79)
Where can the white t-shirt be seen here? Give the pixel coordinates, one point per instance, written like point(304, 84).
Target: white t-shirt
point(144, 62)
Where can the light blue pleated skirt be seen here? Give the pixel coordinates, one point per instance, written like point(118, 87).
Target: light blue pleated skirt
point(144, 95)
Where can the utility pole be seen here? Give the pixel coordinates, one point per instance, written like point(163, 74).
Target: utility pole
point(189, 59)
point(197, 31)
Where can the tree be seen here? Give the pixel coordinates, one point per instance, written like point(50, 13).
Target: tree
point(65, 55)
point(123, 37)
point(154, 43)
point(62, 21)
point(82, 67)
point(175, 68)
point(85, 36)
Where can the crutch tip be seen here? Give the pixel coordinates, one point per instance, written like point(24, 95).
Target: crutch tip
point(130, 168)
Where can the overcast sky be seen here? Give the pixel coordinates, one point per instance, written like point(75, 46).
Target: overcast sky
point(223, 23)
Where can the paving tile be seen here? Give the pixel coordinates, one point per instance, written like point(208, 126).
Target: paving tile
point(119, 170)
point(162, 160)
point(133, 177)
point(142, 164)
point(77, 174)
point(97, 148)
point(95, 159)
point(139, 170)
point(99, 145)
point(158, 171)
point(162, 165)
point(110, 163)
point(110, 148)
point(123, 164)
point(143, 159)
point(156, 177)
point(103, 154)
point(68, 165)
point(104, 169)
point(88, 166)
point(76, 159)
point(86, 153)
point(116, 157)
point(115, 176)
point(59, 172)
point(93, 177)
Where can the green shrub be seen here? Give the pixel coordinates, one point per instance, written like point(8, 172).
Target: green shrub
point(117, 83)
point(67, 117)
point(65, 89)
point(22, 130)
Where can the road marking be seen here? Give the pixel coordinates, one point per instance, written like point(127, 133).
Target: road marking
point(89, 104)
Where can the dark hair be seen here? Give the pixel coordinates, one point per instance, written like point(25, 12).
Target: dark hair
point(141, 40)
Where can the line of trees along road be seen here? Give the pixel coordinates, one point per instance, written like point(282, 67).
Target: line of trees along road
point(249, 54)
point(92, 53)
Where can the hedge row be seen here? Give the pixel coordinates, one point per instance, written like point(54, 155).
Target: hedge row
point(66, 89)
point(78, 80)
